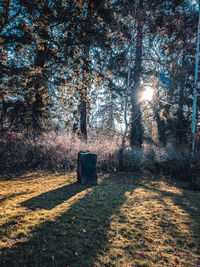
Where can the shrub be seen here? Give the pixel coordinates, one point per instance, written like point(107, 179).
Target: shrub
point(58, 152)
point(54, 152)
point(133, 159)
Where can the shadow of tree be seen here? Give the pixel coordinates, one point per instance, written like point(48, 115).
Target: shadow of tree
point(189, 203)
point(77, 236)
point(186, 200)
point(50, 199)
point(80, 234)
point(12, 196)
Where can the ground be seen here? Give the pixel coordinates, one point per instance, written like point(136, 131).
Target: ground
point(126, 220)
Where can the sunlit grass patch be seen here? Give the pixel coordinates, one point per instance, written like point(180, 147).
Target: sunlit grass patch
point(48, 220)
point(18, 221)
point(153, 228)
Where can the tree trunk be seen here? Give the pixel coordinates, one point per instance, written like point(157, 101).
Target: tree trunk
point(85, 75)
point(83, 118)
point(136, 131)
point(83, 100)
point(38, 104)
point(2, 113)
point(181, 131)
point(161, 126)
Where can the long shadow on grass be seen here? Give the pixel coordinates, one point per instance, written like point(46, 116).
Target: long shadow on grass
point(51, 199)
point(12, 196)
point(188, 202)
point(75, 238)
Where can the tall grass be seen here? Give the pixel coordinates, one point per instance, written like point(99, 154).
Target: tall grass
point(54, 152)
point(58, 152)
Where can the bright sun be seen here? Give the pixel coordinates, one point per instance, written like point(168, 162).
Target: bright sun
point(147, 94)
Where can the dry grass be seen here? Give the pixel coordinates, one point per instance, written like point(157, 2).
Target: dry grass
point(54, 152)
point(48, 220)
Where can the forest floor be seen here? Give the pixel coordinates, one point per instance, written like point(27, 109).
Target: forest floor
point(126, 220)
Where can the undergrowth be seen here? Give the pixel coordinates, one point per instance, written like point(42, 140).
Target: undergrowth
point(55, 152)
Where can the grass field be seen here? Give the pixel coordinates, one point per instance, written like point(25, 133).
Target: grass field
point(49, 220)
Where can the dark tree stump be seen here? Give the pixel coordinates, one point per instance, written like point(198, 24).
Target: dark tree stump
point(87, 168)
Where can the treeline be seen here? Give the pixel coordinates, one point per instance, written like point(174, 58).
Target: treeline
point(82, 66)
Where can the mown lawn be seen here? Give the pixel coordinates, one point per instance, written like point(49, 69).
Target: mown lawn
point(126, 220)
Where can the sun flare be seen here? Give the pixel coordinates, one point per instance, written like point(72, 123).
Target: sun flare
point(147, 94)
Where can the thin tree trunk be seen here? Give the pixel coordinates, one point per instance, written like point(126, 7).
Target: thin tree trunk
point(121, 151)
point(83, 118)
point(161, 125)
point(181, 136)
point(83, 103)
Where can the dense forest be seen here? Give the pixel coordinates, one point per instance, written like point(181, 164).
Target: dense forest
point(114, 76)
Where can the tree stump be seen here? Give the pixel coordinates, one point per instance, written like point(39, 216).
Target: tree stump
point(87, 168)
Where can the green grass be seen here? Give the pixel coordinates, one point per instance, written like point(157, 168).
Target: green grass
point(126, 220)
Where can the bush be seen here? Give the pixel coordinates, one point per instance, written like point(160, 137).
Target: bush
point(54, 152)
point(173, 162)
point(58, 152)
point(133, 159)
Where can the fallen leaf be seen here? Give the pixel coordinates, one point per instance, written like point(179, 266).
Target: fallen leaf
point(177, 254)
point(142, 254)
